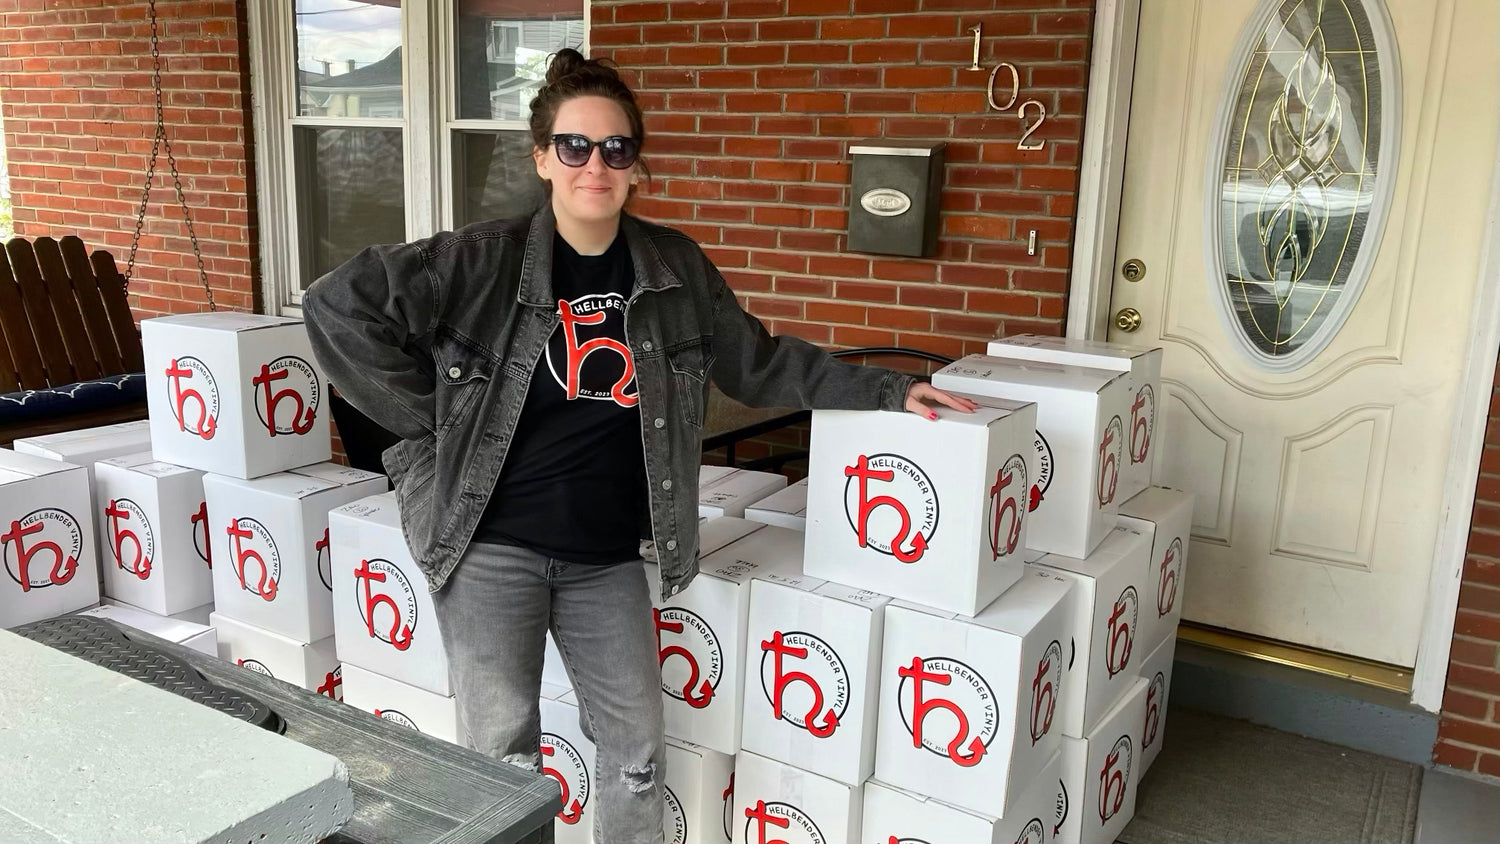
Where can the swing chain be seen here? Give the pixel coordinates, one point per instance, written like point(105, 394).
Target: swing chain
point(159, 143)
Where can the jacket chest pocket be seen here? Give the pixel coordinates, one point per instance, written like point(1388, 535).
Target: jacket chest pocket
point(690, 364)
point(463, 373)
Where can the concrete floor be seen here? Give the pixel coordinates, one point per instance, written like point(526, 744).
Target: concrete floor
point(1457, 808)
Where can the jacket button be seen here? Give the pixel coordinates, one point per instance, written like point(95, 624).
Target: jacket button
point(646, 345)
point(671, 545)
point(660, 422)
point(666, 484)
point(454, 372)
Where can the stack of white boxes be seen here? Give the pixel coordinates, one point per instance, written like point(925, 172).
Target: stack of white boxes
point(1096, 439)
point(237, 406)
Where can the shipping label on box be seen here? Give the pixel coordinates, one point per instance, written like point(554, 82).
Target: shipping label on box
point(87, 446)
point(1144, 366)
point(812, 658)
point(1157, 672)
point(400, 703)
point(932, 512)
point(271, 536)
point(729, 494)
point(775, 802)
point(786, 508)
point(568, 758)
point(383, 615)
point(701, 635)
point(313, 666)
point(967, 705)
point(46, 539)
point(699, 786)
point(153, 531)
point(1108, 609)
point(199, 637)
point(896, 814)
point(1166, 516)
point(1079, 448)
point(235, 394)
point(1100, 775)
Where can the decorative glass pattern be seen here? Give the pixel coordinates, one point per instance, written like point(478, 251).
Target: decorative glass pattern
point(1301, 178)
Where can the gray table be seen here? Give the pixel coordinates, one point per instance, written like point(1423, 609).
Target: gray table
point(408, 788)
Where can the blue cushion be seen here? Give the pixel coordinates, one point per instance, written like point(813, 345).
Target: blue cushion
point(82, 397)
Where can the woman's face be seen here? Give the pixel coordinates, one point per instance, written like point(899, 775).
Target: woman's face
point(593, 192)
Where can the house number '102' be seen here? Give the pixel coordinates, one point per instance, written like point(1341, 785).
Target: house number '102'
point(1015, 94)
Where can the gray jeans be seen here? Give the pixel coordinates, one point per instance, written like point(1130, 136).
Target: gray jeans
point(494, 613)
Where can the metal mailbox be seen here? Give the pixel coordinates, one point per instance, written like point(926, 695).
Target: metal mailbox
point(893, 207)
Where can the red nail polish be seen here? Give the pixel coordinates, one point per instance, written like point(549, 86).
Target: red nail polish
point(932, 415)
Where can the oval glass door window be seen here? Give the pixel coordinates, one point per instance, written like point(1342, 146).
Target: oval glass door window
point(1308, 131)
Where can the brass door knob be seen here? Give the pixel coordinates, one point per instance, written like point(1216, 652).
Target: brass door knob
point(1128, 319)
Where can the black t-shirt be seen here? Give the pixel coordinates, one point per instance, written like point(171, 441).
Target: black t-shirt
point(573, 485)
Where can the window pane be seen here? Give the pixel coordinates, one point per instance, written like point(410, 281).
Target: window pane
point(502, 52)
point(495, 176)
point(1302, 165)
point(349, 58)
point(350, 194)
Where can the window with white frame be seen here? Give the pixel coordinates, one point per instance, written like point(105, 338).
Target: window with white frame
point(380, 121)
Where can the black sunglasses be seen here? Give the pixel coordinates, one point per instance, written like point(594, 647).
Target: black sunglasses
point(617, 151)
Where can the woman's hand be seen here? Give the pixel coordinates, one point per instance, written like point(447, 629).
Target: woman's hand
point(921, 393)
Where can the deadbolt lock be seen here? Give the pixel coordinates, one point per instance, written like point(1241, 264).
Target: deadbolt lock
point(1133, 269)
point(1128, 319)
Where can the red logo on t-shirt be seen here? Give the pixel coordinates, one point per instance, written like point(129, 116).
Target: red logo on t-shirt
point(594, 324)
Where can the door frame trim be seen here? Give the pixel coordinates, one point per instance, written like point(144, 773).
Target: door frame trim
point(1101, 188)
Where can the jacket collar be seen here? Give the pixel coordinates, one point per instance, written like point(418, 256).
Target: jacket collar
point(651, 272)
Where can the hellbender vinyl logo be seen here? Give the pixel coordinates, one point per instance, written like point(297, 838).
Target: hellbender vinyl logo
point(1171, 576)
point(387, 602)
point(780, 823)
point(42, 548)
point(397, 717)
point(891, 505)
point(193, 396)
point(804, 681)
point(132, 542)
point(562, 762)
point(1142, 424)
point(1044, 686)
point(948, 709)
point(689, 654)
point(1004, 517)
point(1114, 778)
point(256, 561)
point(674, 818)
point(286, 396)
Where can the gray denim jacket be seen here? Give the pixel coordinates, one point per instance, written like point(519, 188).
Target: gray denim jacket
point(436, 341)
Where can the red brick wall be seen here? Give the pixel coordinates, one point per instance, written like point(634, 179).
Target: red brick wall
point(1469, 733)
point(752, 106)
point(79, 118)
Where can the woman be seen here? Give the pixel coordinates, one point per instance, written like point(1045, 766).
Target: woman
point(549, 378)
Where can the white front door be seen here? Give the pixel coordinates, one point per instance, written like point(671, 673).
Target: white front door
point(1306, 184)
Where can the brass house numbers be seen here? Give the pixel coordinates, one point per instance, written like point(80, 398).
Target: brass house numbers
point(1015, 94)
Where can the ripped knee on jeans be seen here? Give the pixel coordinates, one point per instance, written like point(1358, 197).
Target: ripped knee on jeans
point(529, 761)
point(638, 778)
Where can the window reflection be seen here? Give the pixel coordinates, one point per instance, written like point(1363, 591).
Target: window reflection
point(503, 46)
point(349, 58)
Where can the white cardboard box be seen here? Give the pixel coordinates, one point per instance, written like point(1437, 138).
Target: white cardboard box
point(729, 494)
point(400, 703)
point(383, 616)
point(1166, 516)
point(1079, 450)
point(895, 814)
point(1157, 672)
point(812, 687)
point(46, 539)
point(701, 634)
point(199, 637)
point(197, 615)
point(87, 446)
point(699, 795)
point(967, 704)
point(1108, 604)
point(713, 534)
point(1144, 366)
point(787, 508)
point(925, 511)
point(234, 393)
point(568, 758)
point(776, 802)
point(153, 529)
point(1100, 774)
point(313, 666)
point(271, 537)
